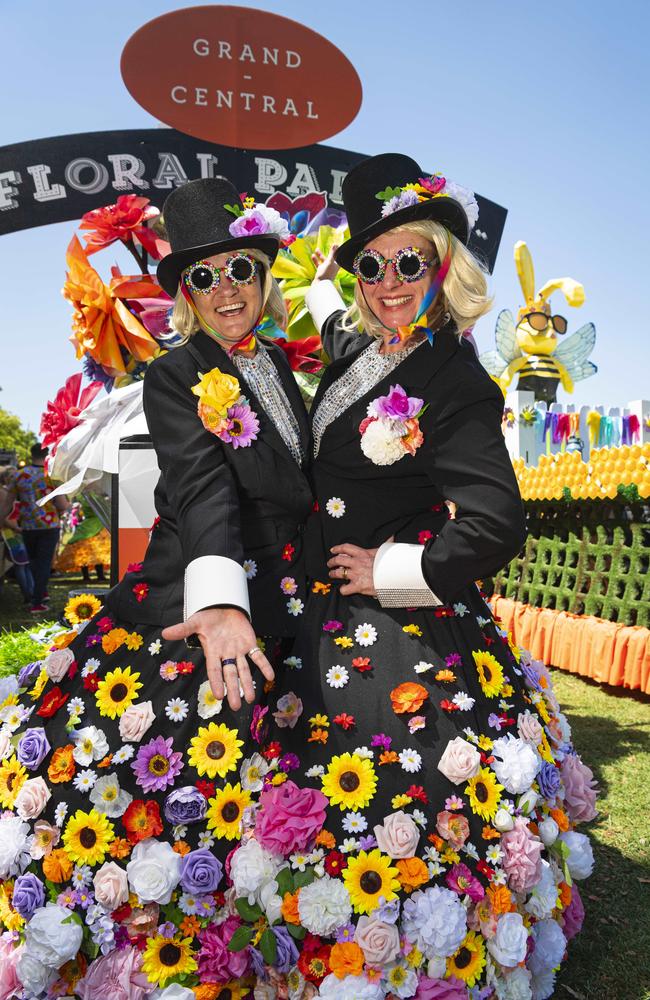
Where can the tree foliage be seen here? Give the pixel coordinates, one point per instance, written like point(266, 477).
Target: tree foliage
point(13, 436)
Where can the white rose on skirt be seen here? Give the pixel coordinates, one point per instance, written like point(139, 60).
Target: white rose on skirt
point(580, 860)
point(34, 976)
point(14, 846)
point(153, 871)
point(508, 946)
point(51, 937)
point(460, 761)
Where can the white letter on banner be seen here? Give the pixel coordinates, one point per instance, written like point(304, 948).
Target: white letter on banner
point(208, 162)
point(7, 189)
point(224, 98)
point(269, 104)
point(43, 192)
point(291, 64)
point(304, 181)
point(128, 171)
point(200, 94)
point(170, 172)
point(338, 177)
point(73, 175)
point(290, 108)
point(246, 53)
point(310, 108)
point(224, 50)
point(201, 47)
point(270, 175)
point(175, 90)
point(270, 56)
point(247, 99)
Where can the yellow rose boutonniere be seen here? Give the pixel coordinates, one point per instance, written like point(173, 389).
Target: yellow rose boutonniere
point(224, 411)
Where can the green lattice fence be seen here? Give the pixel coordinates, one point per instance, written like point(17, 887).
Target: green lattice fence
point(588, 559)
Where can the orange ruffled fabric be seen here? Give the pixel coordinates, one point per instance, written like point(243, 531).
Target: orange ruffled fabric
point(608, 652)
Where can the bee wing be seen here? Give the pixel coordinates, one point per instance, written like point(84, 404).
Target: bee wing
point(577, 348)
point(493, 363)
point(506, 337)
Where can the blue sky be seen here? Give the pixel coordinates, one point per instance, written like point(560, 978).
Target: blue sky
point(541, 107)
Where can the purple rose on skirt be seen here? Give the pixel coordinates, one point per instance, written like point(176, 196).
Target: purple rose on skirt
point(574, 914)
point(29, 895)
point(216, 963)
point(441, 989)
point(33, 748)
point(29, 673)
point(548, 779)
point(287, 951)
point(396, 404)
point(201, 872)
point(185, 805)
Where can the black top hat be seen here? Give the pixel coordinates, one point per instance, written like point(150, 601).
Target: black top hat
point(363, 209)
point(197, 224)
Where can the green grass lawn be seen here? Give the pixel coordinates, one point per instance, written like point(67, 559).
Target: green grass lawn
point(610, 960)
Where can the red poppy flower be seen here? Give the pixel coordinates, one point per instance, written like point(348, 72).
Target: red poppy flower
point(125, 220)
point(52, 702)
point(484, 869)
point(344, 720)
point(335, 862)
point(91, 681)
point(362, 664)
point(140, 590)
point(315, 965)
point(206, 788)
point(142, 820)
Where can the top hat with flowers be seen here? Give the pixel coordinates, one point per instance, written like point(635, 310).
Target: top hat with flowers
point(390, 190)
point(207, 217)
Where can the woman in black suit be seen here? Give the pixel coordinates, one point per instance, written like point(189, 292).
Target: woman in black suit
point(443, 761)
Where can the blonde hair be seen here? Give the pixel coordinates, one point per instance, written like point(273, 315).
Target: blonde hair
point(186, 323)
point(464, 293)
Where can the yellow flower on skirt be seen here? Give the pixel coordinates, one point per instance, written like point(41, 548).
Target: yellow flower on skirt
point(215, 750)
point(469, 961)
point(350, 781)
point(490, 673)
point(12, 778)
point(368, 877)
point(165, 957)
point(226, 809)
point(117, 691)
point(484, 793)
point(87, 837)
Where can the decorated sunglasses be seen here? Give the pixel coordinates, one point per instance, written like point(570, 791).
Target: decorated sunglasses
point(539, 321)
point(203, 277)
point(409, 264)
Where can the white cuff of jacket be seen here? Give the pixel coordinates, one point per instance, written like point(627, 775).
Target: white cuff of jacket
point(322, 299)
point(398, 578)
point(215, 580)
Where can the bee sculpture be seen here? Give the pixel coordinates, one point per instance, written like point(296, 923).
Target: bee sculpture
point(530, 348)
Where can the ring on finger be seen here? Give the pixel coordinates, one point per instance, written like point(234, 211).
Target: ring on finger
point(229, 662)
point(344, 573)
point(255, 649)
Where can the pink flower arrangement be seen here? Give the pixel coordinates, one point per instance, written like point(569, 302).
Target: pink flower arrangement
point(522, 860)
point(452, 827)
point(460, 879)
point(289, 818)
point(116, 975)
point(579, 790)
point(440, 989)
point(216, 963)
point(65, 411)
point(573, 915)
point(391, 429)
point(289, 710)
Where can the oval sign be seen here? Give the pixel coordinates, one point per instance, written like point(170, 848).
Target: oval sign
point(241, 77)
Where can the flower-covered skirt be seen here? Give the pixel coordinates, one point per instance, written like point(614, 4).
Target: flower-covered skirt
point(123, 785)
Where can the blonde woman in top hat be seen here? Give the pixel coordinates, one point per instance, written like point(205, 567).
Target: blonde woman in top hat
point(129, 776)
point(444, 783)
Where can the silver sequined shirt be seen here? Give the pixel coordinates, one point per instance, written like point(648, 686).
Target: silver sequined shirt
point(364, 373)
point(264, 380)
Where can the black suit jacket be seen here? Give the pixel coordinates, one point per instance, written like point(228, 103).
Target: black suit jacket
point(212, 499)
point(463, 458)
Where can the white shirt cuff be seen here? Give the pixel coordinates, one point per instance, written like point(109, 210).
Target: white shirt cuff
point(322, 299)
point(398, 578)
point(215, 580)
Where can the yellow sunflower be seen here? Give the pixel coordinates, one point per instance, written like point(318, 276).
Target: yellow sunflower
point(165, 957)
point(490, 673)
point(80, 609)
point(369, 876)
point(225, 811)
point(484, 793)
point(215, 750)
point(117, 691)
point(12, 777)
point(350, 781)
point(87, 837)
point(469, 961)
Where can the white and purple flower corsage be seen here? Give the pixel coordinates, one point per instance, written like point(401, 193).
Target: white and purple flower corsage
point(392, 428)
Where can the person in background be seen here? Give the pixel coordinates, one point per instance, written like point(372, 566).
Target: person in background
point(14, 547)
point(39, 525)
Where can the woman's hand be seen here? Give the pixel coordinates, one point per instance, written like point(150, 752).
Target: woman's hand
point(353, 565)
point(225, 634)
point(326, 267)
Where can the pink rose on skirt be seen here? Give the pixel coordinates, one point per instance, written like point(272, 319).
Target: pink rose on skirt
point(460, 761)
point(111, 886)
point(135, 721)
point(116, 975)
point(529, 728)
point(289, 818)
point(32, 798)
point(453, 827)
point(398, 836)
point(440, 989)
point(378, 941)
point(579, 790)
point(574, 914)
point(522, 860)
point(10, 984)
point(58, 663)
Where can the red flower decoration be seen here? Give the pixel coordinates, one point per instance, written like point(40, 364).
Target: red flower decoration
point(272, 750)
point(344, 720)
point(134, 567)
point(52, 702)
point(142, 820)
point(126, 221)
point(448, 706)
point(64, 411)
point(206, 788)
point(424, 536)
point(91, 681)
point(484, 869)
point(105, 624)
point(362, 664)
point(444, 612)
point(298, 353)
point(288, 552)
point(185, 667)
point(140, 590)
point(418, 792)
point(335, 862)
